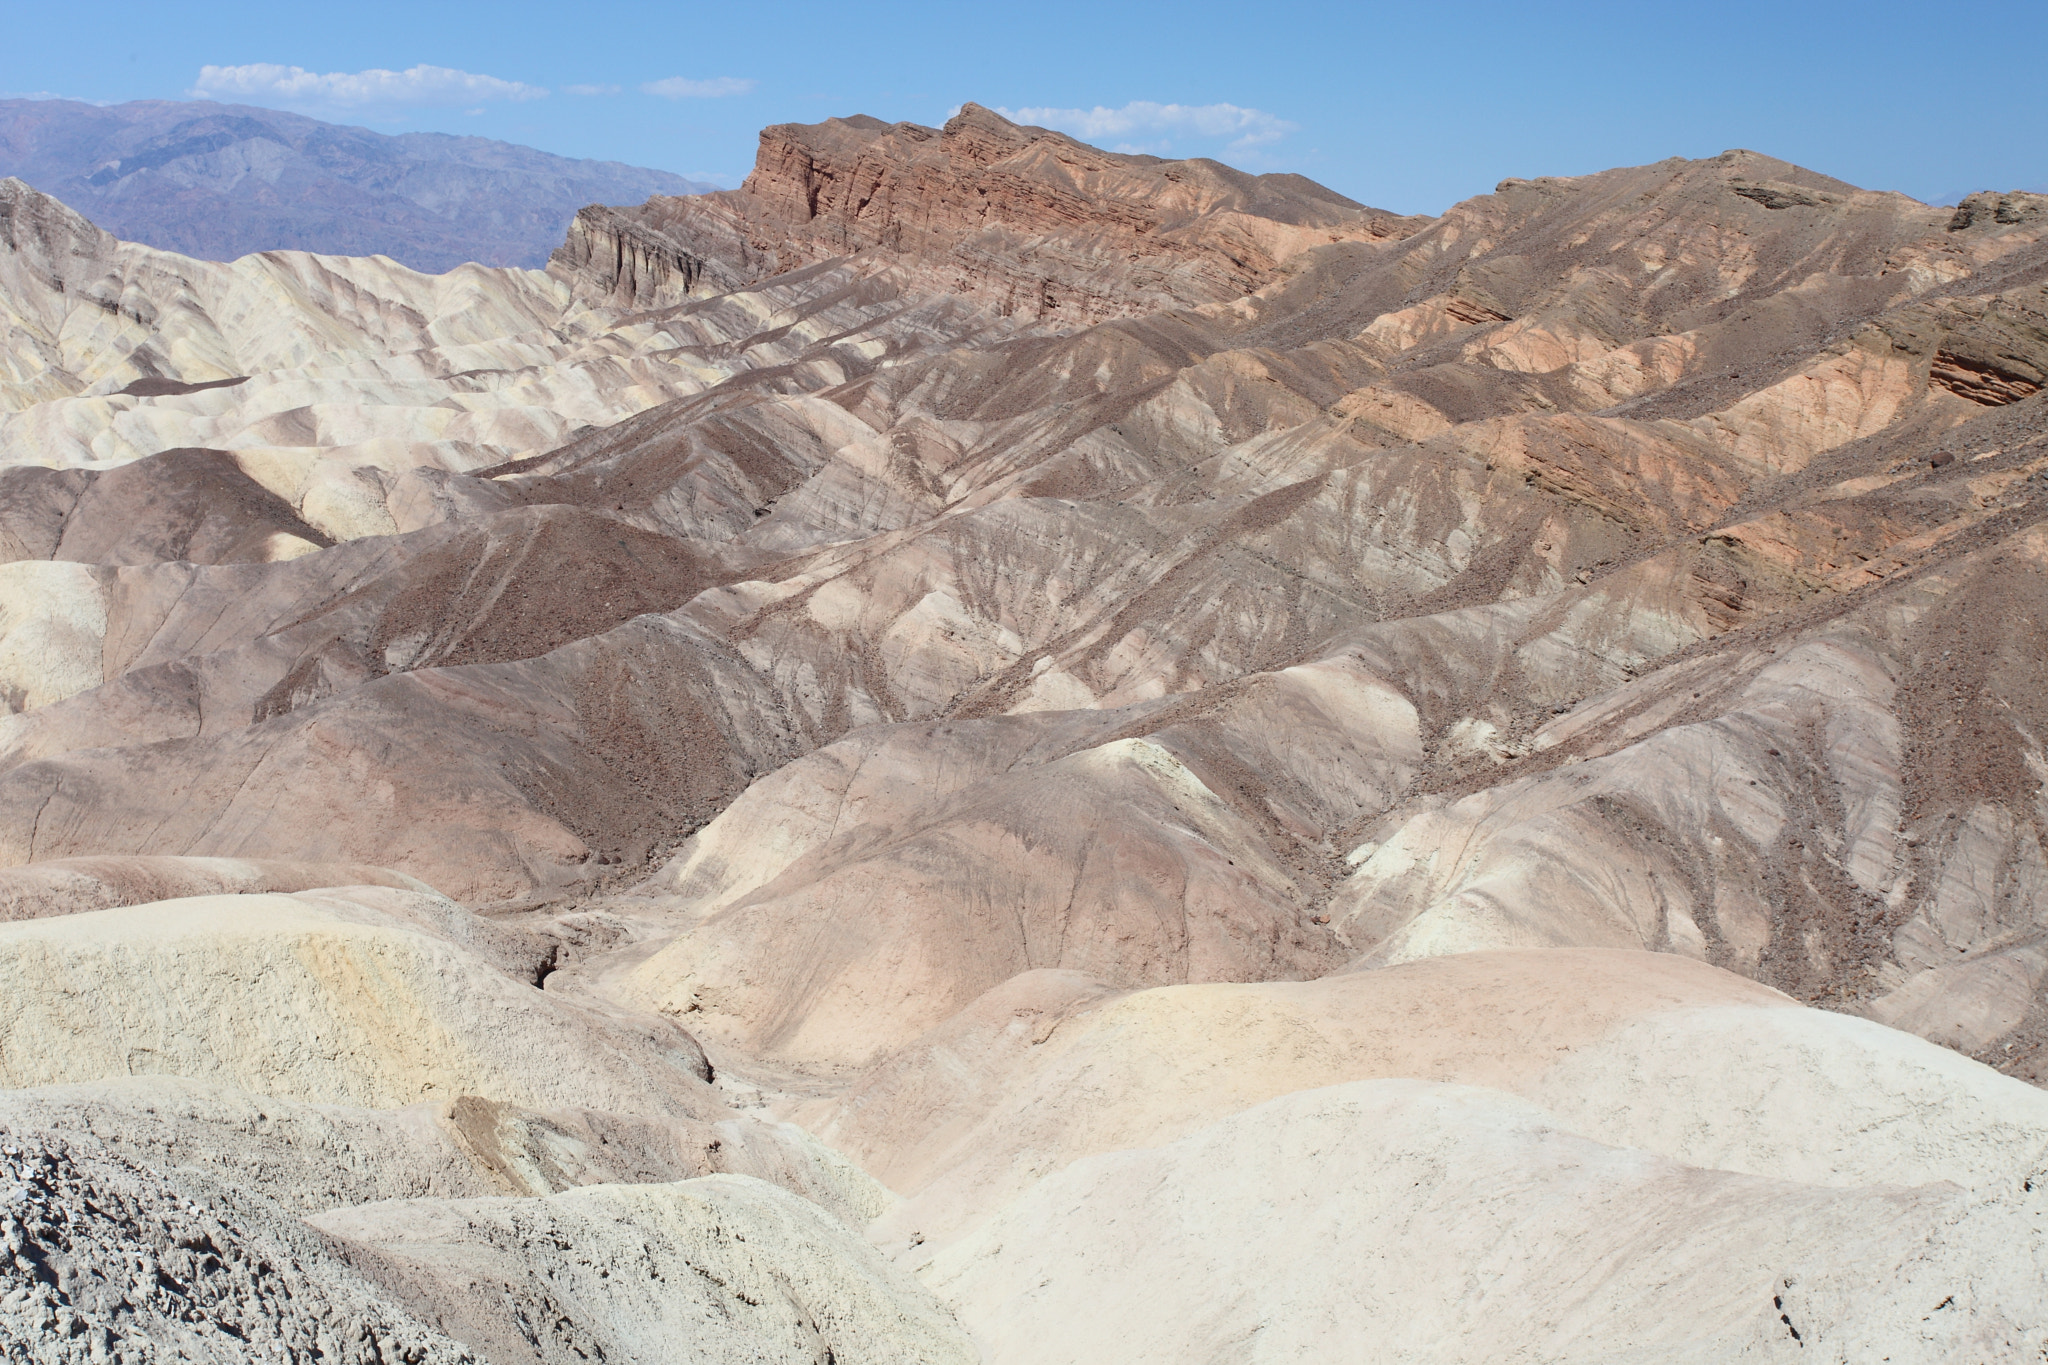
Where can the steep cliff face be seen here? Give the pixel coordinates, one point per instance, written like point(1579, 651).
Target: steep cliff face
point(1025, 220)
point(618, 256)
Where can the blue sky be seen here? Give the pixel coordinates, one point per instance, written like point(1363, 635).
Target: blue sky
point(1408, 107)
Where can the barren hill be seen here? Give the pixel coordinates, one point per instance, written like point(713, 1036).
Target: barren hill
point(1002, 749)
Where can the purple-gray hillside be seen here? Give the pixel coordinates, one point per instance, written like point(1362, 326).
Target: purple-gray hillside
point(221, 180)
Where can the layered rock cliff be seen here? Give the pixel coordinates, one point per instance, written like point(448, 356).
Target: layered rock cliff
point(1025, 220)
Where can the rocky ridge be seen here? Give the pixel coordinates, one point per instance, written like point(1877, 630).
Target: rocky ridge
point(1473, 786)
point(1025, 220)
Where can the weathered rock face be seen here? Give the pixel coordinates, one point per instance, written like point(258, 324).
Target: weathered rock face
point(114, 1259)
point(1513, 741)
point(1025, 220)
point(738, 1269)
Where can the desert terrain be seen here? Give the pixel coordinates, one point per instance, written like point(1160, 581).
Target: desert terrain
point(988, 750)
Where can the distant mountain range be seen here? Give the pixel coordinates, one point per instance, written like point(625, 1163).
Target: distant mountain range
point(219, 181)
point(1954, 197)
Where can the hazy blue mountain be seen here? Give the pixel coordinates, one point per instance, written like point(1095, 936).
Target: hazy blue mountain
point(222, 180)
point(1953, 197)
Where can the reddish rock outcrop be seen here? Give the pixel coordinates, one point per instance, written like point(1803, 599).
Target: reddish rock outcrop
point(1024, 219)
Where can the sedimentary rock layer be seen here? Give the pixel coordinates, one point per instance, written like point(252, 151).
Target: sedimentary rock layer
point(1024, 220)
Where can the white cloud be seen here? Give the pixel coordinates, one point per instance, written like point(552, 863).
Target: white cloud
point(417, 85)
point(590, 89)
point(1245, 127)
point(679, 88)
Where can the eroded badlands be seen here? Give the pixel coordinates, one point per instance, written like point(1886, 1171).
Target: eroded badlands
point(987, 750)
